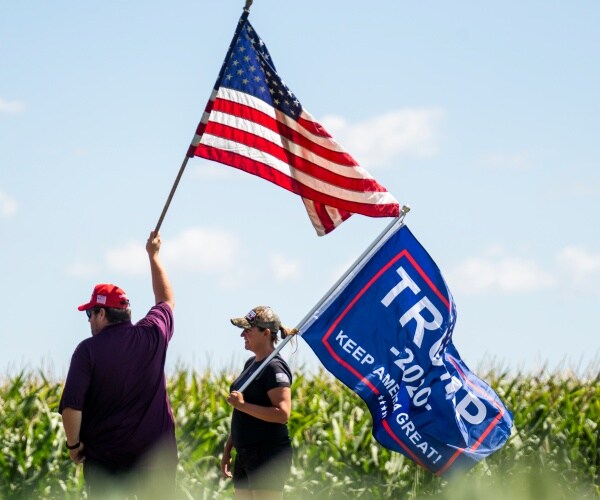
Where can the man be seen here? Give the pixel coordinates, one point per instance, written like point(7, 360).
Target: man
point(114, 406)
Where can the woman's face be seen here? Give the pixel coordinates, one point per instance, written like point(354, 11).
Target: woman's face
point(254, 338)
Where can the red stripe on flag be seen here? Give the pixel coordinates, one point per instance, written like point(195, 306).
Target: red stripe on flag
point(295, 162)
point(253, 115)
point(323, 215)
point(269, 173)
point(313, 127)
point(201, 127)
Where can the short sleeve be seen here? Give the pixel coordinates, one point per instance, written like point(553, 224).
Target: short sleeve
point(277, 374)
point(160, 316)
point(78, 380)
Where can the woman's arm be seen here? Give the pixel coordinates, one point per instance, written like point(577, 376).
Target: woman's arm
point(278, 412)
point(226, 460)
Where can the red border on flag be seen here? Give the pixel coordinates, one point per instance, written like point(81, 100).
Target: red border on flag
point(405, 253)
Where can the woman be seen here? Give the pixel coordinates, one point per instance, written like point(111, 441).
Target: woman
point(259, 422)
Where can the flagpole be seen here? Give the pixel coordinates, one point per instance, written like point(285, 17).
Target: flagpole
point(187, 157)
point(166, 207)
point(391, 226)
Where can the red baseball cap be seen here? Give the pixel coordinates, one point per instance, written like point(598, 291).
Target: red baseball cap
point(107, 295)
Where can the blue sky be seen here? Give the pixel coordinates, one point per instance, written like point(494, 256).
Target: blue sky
point(483, 118)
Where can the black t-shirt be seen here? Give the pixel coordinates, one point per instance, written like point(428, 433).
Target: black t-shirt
point(248, 431)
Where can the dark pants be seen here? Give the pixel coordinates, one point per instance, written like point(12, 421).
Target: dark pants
point(262, 468)
point(104, 480)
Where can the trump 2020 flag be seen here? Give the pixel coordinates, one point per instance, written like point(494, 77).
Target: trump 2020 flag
point(255, 123)
point(386, 332)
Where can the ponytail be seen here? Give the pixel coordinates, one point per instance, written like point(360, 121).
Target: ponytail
point(283, 333)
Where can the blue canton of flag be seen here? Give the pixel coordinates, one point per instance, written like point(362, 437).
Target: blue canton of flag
point(251, 70)
point(387, 334)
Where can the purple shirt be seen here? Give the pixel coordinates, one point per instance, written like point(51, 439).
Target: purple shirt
point(117, 379)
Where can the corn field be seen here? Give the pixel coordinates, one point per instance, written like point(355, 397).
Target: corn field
point(552, 454)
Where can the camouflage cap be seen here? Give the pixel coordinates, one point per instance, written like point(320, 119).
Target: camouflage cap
point(261, 316)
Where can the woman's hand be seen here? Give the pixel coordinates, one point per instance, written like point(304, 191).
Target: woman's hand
point(236, 399)
point(226, 460)
point(226, 463)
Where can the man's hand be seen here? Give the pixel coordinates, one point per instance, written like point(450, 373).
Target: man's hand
point(153, 243)
point(77, 455)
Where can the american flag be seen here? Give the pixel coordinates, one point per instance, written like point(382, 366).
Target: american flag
point(255, 123)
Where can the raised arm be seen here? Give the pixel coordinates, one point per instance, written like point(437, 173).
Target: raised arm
point(161, 286)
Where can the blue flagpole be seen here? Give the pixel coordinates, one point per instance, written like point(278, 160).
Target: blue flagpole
point(397, 222)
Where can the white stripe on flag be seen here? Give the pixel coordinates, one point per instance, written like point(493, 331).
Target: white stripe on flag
point(285, 144)
point(366, 197)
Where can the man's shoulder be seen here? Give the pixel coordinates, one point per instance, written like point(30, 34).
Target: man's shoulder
point(163, 307)
point(87, 343)
point(160, 310)
point(84, 348)
point(159, 318)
